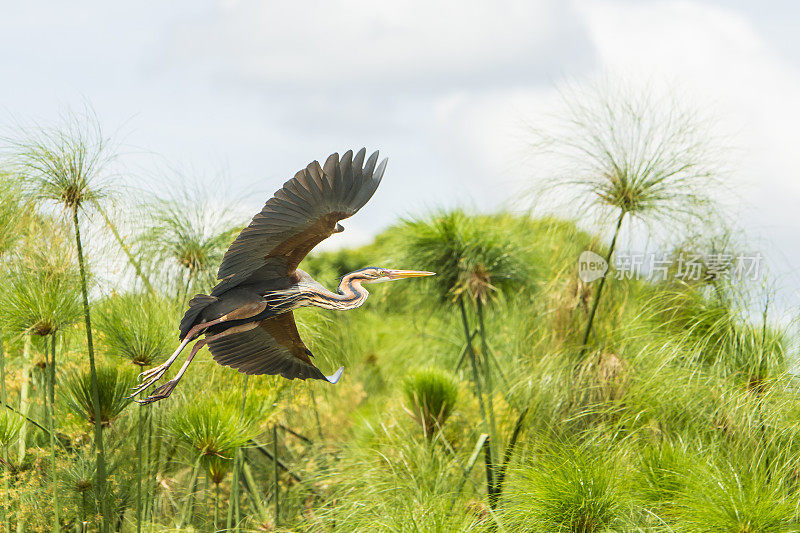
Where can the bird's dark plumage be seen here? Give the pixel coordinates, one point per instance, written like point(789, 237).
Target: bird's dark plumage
point(265, 255)
point(303, 213)
point(274, 347)
point(247, 319)
point(196, 306)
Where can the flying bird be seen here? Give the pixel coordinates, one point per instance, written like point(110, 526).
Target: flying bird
point(247, 320)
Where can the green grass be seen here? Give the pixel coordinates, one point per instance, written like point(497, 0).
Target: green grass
point(114, 384)
point(735, 498)
point(431, 395)
point(138, 327)
point(683, 416)
point(10, 424)
point(567, 488)
point(213, 431)
point(660, 430)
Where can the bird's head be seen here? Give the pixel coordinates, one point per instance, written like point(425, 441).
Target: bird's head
point(378, 275)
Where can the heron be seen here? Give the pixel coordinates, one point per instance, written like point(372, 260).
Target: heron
point(247, 321)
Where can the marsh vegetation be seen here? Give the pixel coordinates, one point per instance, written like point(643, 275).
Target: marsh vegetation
point(504, 394)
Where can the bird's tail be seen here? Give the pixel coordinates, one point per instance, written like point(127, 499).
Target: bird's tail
point(196, 306)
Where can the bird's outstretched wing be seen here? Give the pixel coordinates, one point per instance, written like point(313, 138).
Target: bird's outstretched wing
point(298, 217)
point(274, 347)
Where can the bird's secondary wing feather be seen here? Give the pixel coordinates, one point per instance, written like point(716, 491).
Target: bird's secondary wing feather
point(303, 213)
point(274, 347)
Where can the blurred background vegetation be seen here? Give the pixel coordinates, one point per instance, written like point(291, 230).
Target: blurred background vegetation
point(504, 394)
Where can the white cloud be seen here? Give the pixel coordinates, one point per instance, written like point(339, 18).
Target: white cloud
point(416, 45)
point(715, 54)
point(418, 79)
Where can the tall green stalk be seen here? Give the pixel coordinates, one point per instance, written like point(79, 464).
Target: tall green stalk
point(487, 369)
point(45, 382)
point(468, 468)
point(44, 386)
point(6, 519)
point(255, 495)
point(233, 509)
point(84, 522)
point(24, 402)
point(140, 451)
point(156, 464)
point(186, 515)
point(205, 490)
point(479, 394)
point(463, 352)
point(762, 372)
point(512, 442)
point(316, 413)
point(102, 501)
point(52, 396)
point(216, 506)
point(148, 459)
point(234, 491)
point(275, 473)
point(600, 286)
point(137, 267)
point(156, 461)
point(489, 461)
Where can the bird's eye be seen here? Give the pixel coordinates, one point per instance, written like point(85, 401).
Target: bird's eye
point(383, 274)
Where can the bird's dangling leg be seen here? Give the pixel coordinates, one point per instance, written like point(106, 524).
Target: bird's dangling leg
point(154, 374)
point(163, 367)
point(166, 389)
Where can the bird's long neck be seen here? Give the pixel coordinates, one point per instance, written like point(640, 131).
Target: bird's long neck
point(350, 294)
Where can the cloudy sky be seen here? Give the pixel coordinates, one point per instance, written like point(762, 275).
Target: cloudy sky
point(241, 94)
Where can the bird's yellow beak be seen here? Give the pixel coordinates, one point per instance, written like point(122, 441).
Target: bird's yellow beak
point(400, 274)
